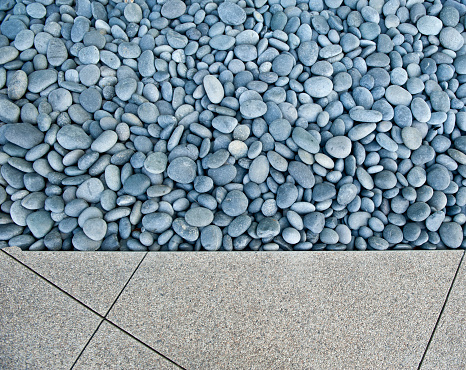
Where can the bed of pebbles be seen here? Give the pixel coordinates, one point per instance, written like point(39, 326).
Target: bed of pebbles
point(232, 125)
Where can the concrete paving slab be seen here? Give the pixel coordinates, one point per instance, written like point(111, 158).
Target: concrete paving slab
point(94, 278)
point(287, 310)
point(447, 349)
point(111, 348)
point(40, 326)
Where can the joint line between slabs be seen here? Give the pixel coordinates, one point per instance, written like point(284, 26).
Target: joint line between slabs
point(441, 313)
point(87, 343)
point(124, 331)
point(103, 318)
point(126, 284)
point(54, 285)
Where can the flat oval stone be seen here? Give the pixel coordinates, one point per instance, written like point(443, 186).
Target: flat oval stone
point(182, 170)
point(420, 110)
point(7, 54)
point(136, 185)
point(156, 162)
point(24, 135)
point(396, 95)
point(199, 216)
point(125, 88)
point(318, 87)
point(308, 53)
point(315, 222)
point(56, 52)
point(451, 234)
point(133, 13)
point(411, 137)
point(363, 115)
point(302, 174)
point(40, 80)
point(73, 137)
point(95, 228)
point(251, 109)
point(90, 190)
point(239, 225)
point(235, 203)
point(259, 169)
point(305, 140)
point(17, 85)
point(268, 227)
point(222, 42)
point(83, 243)
point(40, 223)
point(438, 177)
point(211, 238)
point(338, 146)
point(60, 100)
point(346, 194)
point(385, 180)
point(105, 141)
point(287, 194)
point(224, 124)
point(173, 9)
point(157, 222)
point(9, 231)
point(360, 131)
point(451, 39)
point(429, 25)
point(213, 89)
point(231, 13)
point(187, 232)
point(283, 64)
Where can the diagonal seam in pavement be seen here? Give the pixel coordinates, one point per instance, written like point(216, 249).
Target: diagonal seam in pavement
point(103, 318)
point(441, 312)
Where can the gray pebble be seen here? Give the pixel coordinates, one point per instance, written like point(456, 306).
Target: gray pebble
point(213, 89)
point(40, 223)
point(17, 85)
point(211, 238)
point(9, 111)
point(268, 228)
point(199, 216)
point(451, 234)
point(318, 87)
point(338, 147)
point(73, 137)
point(157, 222)
point(231, 13)
point(24, 135)
point(235, 203)
point(95, 228)
point(173, 9)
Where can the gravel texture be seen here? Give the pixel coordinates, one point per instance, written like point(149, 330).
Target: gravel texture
point(232, 125)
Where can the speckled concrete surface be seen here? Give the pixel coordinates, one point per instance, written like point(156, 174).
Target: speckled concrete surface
point(40, 326)
point(111, 348)
point(288, 311)
point(95, 279)
point(447, 349)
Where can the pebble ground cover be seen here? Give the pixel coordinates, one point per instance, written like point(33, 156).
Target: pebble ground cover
point(232, 125)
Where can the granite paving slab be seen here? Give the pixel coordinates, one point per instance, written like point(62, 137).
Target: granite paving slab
point(287, 310)
point(40, 326)
point(447, 348)
point(111, 348)
point(94, 278)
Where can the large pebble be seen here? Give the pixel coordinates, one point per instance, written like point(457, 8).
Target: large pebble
point(338, 147)
point(213, 89)
point(182, 170)
point(318, 87)
point(231, 13)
